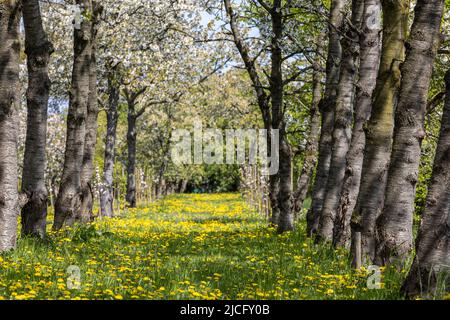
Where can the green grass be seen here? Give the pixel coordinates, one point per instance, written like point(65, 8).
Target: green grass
point(185, 247)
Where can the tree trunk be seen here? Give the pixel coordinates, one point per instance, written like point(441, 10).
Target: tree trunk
point(10, 13)
point(379, 128)
point(69, 197)
point(261, 95)
point(369, 61)
point(312, 145)
point(286, 222)
point(432, 261)
point(274, 187)
point(327, 109)
point(87, 198)
point(183, 186)
point(131, 164)
point(106, 188)
point(343, 123)
point(38, 50)
point(284, 196)
point(394, 227)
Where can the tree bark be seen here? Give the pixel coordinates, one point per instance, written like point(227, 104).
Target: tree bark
point(131, 164)
point(69, 197)
point(133, 116)
point(379, 129)
point(432, 260)
point(106, 188)
point(286, 222)
point(87, 171)
point(10, 12)
point(343, 123)
point(327, 107)
point(394, 227)
point(183, 186)
point(38, 50)
point(312, 145)
point(370, 44)
point(284, 196)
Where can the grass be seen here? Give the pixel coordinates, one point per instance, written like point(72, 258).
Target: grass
point(185, 247)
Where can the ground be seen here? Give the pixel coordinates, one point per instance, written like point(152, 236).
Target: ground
point(185, 247)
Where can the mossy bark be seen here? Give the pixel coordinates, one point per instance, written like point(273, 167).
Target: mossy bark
point(379, 129)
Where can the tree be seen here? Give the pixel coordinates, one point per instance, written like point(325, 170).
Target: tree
point(275, 21)
point(432, 258)
point(10, 13)
point(379, 129)
point(68, 202)
point(87, 170)
point(343, 122)
point(327, 108)
point(38, 49)
point(394, 226)
point(132, 117)
point(369, 60)
point(106, 187)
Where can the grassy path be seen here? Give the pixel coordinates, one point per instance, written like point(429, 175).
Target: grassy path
point(184, 247)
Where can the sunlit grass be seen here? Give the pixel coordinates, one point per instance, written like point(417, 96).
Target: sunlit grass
point(185, 247)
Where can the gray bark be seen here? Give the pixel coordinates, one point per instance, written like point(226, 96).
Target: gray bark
point(379, 128)
point(38, 50)
point(10, 13)
point(343, 123)
point(274, 187)
point(284, 196)
point(370, 44)
point(183, 186)
point(327, 109)
point(132, 117)
point(106, 188)
point(394, 227)
point(69, 197)
point(432, 261)
point(286, 222)
point(87, 171)
point(131, 164)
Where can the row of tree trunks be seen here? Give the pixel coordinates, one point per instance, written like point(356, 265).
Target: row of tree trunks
point(10, 13)
point(327, 108)
point(432, 260)
point(38, 50)
point(343, 123)
point(112, 117)
point(394, 227)
point(379, 129)
point(370, 44)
